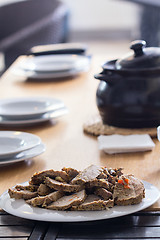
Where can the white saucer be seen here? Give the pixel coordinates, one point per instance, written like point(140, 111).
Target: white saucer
point(31, 121)
point(52, 63)
point(23, 108)
point(37, 75)
point(28, 154)
point(13, 142)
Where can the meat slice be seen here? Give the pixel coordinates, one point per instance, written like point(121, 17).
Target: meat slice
point(104, 193)
point(43, 190)
point(112, 174)
point(94, 203)
point(113, 171)
point(68, 201)
point(45, 200)
point(99, 183)
point(62, 186)
point(128, 190)
point(39, 177)
point(72, 173)
point(32, 188)
point(25, 194)
point(88, 174)
point(52, 197)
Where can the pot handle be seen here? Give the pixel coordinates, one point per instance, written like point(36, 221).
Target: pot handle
point(105, 77)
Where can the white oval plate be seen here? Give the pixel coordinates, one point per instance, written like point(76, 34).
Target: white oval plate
point(21, 209)
point(13, 142)
point(52, 63)
point(25, 155)
point(28, 107)
point(35, 75)
point(31, 121)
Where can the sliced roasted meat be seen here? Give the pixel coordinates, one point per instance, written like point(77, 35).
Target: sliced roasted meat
point(37, 201)
point(52, 197)
point(104, 193)
point(45, 200)
point(39, 177)
point(43, 189)
point(32, 188)
point(113, 171)
point(88, 174)
point(94, 203)
point(72, 173)
point(112, 174)
point(128, 190)
point(102, 176)
point(18, 194)
point(94, 188)
point(62, 186)
point(67, 202)
point(99, 183)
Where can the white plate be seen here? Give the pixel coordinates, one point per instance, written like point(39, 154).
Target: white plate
point(52, 63)
point(83, 67)
point(28, 107)
point(28, 154)
point(21, 209)
point(13, 142)
point(29, 122)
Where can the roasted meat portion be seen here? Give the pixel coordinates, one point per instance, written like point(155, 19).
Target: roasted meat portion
point(94, 188)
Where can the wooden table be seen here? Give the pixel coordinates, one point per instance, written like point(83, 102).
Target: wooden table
point(67, 144)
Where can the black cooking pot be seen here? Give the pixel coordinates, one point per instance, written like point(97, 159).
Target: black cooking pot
point(129, 91)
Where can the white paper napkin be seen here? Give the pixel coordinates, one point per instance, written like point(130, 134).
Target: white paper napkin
point(130, 143)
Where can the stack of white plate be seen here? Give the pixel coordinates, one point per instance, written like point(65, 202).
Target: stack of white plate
point(18, 146)
point(28, 111)
point(52, 66)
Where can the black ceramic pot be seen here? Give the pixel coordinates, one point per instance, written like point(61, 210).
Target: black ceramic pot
point(128, 95)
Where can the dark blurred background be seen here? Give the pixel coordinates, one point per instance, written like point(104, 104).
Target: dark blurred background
point(27, 23)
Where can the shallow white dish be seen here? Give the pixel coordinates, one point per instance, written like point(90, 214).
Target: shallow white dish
point(23, 108)
point(28, 154)
point(37, 75)
point(21, 209)
point(31, 121)
point(52, 63)
point(13, 142)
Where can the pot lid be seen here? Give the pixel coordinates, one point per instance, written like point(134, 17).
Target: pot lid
point(140, 58)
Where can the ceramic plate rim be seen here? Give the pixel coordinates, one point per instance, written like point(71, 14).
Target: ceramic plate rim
point(31, 140)
point(54, 105)
point(9, 205)
point(27, 154)
point(43, 118)
point(72, 59)
point(50, 75)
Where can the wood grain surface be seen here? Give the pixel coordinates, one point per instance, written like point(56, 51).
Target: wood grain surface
point(66, 143)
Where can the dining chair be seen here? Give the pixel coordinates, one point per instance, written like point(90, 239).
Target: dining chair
point(24, 24)
point(149, 25)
